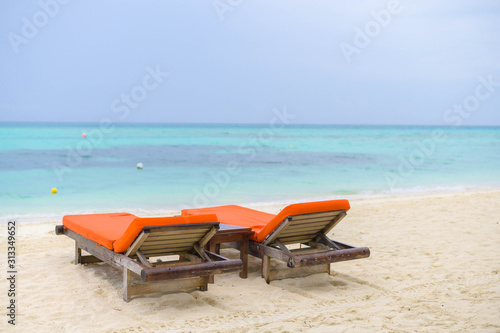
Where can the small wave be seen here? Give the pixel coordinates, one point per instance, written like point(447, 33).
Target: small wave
point(352, 195)
point(57, 217)
point(173, 209)
point(30, 218)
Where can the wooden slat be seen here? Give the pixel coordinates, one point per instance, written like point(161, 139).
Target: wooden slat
point(298, 239)
point(305, 230)
point(167, 239)
point(137, 243)
point(178, 232)
point(167, 244)
point(167, 248)
point(304, 224)
point(207, 237)
point(299, 233)
point(166, 251)
point(143, 259)
point(175, 248)
point(195, 237)
point(193, 233)
point(308, 222)
point(274, 234)
point(158, 245)
point(315, 215)
point(192, 238)
point(313, 220)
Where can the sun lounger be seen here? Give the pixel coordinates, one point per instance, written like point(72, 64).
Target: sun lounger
point(305, 224)
point(131, 244)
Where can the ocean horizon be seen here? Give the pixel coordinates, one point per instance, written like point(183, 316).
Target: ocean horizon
point(197, 165)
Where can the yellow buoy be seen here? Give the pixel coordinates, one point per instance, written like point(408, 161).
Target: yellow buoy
point(291, 146)
point(54, 190)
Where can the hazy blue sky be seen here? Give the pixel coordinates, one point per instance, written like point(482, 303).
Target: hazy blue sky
point(233, 61)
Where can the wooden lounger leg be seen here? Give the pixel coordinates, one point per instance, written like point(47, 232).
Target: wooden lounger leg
point(266, 268)
point(212, 248)
point(81, 259)
point(127, 282)
point(286, 273)
point(204, 282)
point(244, 258)
point(78, 254)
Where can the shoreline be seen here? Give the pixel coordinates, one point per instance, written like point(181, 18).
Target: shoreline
point(269, 206)
point(433, 266)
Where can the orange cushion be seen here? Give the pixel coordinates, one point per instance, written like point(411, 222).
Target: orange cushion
point(133, 230)
point(104, 229)
point(117, 231)
point(264, 223)
point(302, 208)
point(235, 215)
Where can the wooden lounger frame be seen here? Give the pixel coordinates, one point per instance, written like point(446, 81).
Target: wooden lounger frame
point(190, 272)
point(309, 230)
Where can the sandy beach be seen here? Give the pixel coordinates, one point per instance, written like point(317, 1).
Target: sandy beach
point(434, 266)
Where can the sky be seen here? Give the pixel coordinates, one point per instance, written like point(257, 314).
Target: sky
point(396, 62)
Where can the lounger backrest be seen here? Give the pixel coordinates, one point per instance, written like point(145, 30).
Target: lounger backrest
point(307, 208)
point(139, 223)
point(305, 227)
point(172, 239)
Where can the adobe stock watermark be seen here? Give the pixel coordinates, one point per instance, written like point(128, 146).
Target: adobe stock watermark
point(247, 151)
point(138, 93)
point(407, 164)
point(483, 91)
point(31, 26)
point(455, 116)
point(122, 107)
point(371, 30)
point(222, 7)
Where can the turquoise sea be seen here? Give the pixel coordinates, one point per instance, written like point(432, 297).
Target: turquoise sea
point(203, 165)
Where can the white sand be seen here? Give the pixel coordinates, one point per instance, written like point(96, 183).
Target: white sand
point(434, 266)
